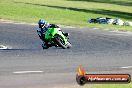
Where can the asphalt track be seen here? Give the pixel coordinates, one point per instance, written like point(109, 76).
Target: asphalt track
point(26, 65)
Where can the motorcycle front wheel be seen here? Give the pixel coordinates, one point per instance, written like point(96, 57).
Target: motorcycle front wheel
point(60, 41)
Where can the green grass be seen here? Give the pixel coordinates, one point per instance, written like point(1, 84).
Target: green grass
point(107, 86)
point(112, 86)
point(67, 12)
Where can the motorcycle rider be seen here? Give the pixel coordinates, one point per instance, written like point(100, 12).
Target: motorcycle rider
point(43, 27)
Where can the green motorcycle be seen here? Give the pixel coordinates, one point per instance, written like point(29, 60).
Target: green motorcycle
point(56, 37)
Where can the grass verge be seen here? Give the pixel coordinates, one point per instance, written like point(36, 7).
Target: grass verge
point(68, 12)
point(113, 86)
point(106, 86)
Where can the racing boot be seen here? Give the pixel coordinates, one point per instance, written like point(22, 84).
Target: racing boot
point(44, 46)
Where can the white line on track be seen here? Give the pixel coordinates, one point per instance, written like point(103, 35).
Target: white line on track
point(121, 32)
point(34, 24)
point(127, 67)
point(24, 72)
point(3, 47)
